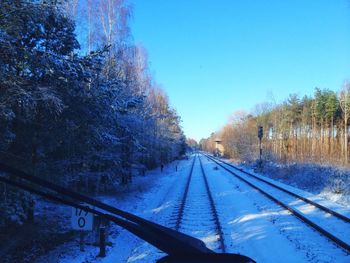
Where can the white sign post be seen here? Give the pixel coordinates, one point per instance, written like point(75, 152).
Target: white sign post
point(81, 219)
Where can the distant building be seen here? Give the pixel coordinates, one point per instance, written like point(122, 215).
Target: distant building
point(219, 148)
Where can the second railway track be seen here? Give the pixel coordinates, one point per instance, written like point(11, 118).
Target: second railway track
point(327, 222)
point(197, 214)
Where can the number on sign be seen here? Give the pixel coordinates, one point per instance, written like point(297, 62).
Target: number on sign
point(79, 211)
point(81, 219)
point(81, 222)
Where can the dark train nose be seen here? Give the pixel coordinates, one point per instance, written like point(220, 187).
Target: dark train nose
point(207, 258)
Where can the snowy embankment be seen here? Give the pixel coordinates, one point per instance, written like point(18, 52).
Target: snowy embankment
point(327, 182)
point(152, 197)
point(252, 225)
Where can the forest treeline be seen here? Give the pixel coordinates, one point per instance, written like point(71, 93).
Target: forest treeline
point(78, 104)
point(311, 129)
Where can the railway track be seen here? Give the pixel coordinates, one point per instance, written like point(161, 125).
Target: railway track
point(329, 223)
point(197, 214)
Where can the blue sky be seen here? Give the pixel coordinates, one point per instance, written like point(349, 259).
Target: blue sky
point(217, 57)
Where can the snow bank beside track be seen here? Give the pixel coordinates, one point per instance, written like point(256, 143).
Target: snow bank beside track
point(327, 182)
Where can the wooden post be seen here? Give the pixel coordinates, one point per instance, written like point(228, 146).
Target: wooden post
point(102, 241)
point(30, 211)
point(81, 241)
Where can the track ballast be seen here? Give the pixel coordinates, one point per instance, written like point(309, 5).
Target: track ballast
point(197, 214)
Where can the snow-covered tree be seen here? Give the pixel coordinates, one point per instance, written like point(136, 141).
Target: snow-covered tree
point(80, 120)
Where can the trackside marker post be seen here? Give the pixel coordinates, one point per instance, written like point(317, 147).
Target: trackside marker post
point(82, 221)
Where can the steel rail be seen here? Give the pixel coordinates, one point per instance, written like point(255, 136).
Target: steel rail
point(213, 208)
point(325, 209)
point(321, 230)
point(184, 197)
point(211, 204)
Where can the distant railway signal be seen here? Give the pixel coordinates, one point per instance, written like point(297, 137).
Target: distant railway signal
point(260, 132)
point(260, 136)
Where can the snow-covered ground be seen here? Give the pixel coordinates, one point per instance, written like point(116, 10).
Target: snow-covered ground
point(325, 181)
point(252, 225)
point(263, 230)
point(152, 197)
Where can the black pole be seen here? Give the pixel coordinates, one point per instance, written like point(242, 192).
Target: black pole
point(102, 241)
point(260, 150)
point(260, 135)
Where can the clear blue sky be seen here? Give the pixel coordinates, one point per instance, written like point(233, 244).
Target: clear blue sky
point(216, 57)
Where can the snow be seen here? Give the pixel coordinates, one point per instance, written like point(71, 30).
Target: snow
point(329, 202)
point(198, 220)
point(327, 182)
point(252, 225)
point(318, 198)
point(264, 231)
point(154, 204)
point(331, 224)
